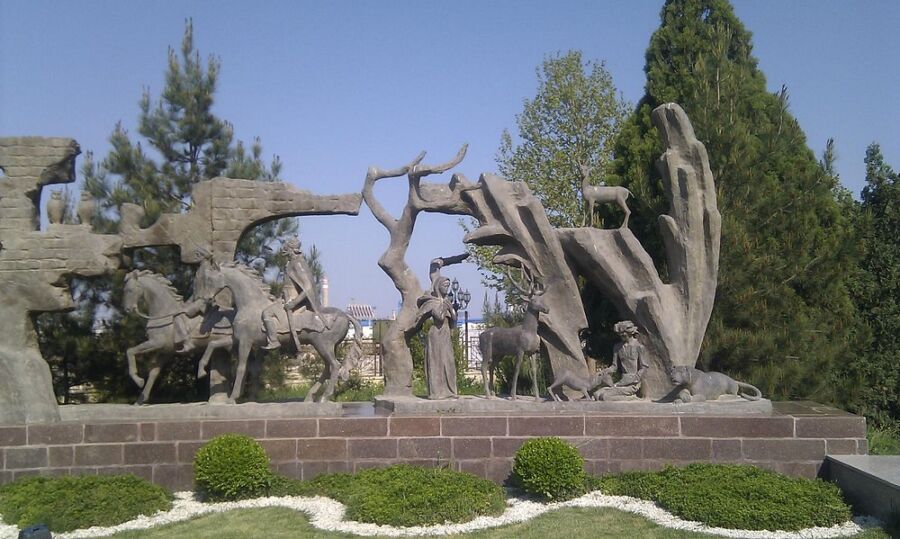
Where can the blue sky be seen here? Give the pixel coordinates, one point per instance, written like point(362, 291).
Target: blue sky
point(334, 87)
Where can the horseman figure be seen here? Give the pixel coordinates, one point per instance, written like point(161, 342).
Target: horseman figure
point(299, 295)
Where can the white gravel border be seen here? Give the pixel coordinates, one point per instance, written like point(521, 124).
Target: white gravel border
point(327, 514)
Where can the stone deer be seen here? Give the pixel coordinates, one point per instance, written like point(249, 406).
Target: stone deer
point(496, 343)
point(602, 194)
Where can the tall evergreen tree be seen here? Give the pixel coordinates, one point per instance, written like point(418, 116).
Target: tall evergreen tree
point(783, 316)
point(183, 143)
point(875, 376)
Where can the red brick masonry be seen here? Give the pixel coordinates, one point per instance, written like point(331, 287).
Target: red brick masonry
point(793, 440)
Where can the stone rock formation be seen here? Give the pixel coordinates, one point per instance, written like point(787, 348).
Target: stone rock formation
point(673, 316)
point(34, 265)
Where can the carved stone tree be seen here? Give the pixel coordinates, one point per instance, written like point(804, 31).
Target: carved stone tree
point(427, 197)
point(510, 217)
point(35, 266)
point(672, 316)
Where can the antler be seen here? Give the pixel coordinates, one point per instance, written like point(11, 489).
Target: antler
point(534, 287)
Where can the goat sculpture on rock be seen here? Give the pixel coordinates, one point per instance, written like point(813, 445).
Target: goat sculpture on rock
point(496, 343)
point(603, 194)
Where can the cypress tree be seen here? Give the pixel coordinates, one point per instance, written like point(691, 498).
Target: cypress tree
point(783, 316)
point(875, 376)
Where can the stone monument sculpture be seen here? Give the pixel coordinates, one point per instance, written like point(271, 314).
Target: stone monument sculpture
point(251, 298)
point(520, 341)
point(603, 194)
point(299, 295)
point(173, 326)
point(223, 210)
point(34, 266)
point(673, 316)
point(694, 385)
point(440, 363)
point(630, 360)
point(510, 218)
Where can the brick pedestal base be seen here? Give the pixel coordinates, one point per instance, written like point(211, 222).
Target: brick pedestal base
point(794, 439)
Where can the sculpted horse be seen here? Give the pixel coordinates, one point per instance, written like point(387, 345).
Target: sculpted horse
point(212, 331)
point(250, 295)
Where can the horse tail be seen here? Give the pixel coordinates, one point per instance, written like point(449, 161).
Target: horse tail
point(743, 385)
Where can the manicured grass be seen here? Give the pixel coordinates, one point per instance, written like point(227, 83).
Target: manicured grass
point(279, 523)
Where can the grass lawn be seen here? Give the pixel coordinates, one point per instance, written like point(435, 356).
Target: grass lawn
point(575, 523)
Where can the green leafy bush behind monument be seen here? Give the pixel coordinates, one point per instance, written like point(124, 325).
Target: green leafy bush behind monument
point(550, 469)
point(232, 467)
point(80, 501)
point(732, 496)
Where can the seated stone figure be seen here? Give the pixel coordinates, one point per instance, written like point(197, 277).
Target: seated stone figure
point(629, 359)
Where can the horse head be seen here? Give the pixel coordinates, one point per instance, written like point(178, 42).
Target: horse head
point(133, 291)
point(209, 279)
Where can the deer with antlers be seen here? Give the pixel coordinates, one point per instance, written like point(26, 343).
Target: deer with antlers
point(603, 194)
point(517, 341)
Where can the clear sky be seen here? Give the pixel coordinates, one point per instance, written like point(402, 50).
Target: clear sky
point(334, 87)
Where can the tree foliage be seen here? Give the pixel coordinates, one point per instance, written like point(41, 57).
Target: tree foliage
point(874, 376)
point(571, 121)
point(181, 142)
point(783, 316)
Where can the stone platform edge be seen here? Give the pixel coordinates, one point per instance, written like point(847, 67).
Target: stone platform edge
point(794, 439)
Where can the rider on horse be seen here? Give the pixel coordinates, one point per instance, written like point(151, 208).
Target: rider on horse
point(299, 294)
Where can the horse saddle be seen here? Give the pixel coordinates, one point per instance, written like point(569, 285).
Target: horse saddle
point(304, 320)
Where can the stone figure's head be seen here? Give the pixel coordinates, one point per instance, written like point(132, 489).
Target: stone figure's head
point(55, 195)
point(680, 375)
point(440, 287)
point(291, 246)
point(625, 329)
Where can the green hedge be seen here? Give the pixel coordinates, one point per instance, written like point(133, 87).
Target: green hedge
point(232, 467)
point(732, 496)
point(72, 502)
point(550, 469)
point(404, 495)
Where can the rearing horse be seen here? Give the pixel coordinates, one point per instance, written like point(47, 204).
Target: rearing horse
point(251, 296)
point(163, 304)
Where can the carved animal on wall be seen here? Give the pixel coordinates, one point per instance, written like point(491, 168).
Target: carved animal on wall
point(585, 385)
point(698, 386)
point(496, 343)
point(603, 194)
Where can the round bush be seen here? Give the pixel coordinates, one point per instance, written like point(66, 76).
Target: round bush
point(73, 502)
point(232, 467)
point(550, 469)
point(734, 496)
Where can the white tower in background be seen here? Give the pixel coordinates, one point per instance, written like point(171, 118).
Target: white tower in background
point(324, 291)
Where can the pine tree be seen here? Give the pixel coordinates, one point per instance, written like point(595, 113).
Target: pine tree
point(182, 143)
point(875, 375)
point(783, 317)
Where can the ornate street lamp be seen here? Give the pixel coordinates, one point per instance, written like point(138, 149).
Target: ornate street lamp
point(460, 300)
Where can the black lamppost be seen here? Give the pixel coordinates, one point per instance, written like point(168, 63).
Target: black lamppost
point(460, 300)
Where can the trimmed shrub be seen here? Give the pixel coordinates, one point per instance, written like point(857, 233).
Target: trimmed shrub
point(550, 469)
point(735, 496)
point(404, 495)
point(232, 467)
point(72, 502)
